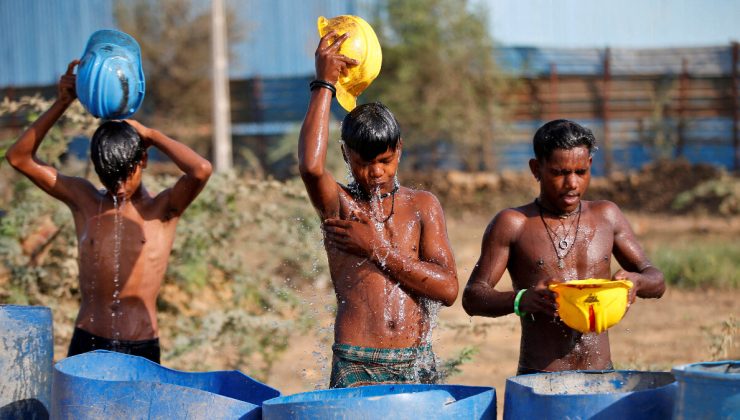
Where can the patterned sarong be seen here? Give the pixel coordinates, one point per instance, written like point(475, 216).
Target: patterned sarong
point(357, 366)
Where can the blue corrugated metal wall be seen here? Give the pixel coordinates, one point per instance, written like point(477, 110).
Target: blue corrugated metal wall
point(282, 35)
point(38, 38)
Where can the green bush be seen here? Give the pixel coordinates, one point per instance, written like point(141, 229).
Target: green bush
point(700, 264)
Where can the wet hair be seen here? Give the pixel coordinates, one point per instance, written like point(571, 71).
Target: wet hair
point(370, 130)
point(562, 134)
point(115, 149)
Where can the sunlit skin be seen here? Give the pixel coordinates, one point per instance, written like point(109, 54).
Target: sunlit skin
point(146, 230)
point(381, 276)
point(517, 240)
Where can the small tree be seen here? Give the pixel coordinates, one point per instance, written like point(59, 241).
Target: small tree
point(439, 76)
point(174, 36)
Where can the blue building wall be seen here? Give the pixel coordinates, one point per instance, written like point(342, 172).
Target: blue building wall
point(281, 35)
point(38, 38)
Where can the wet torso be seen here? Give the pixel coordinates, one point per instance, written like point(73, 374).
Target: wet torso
point(373, 310)
point(546, 343)
point(123, 257)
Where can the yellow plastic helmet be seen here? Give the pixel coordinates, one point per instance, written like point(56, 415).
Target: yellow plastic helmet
point(363, 46)
point(592, 305)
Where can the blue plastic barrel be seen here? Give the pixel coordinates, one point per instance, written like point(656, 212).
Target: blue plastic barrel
point(26, 355)
point(108, 385)
point(590, 395)
point(708, 390)
point(386, 402)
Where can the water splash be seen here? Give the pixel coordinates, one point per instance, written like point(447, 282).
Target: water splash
point(96, 262)
point(117, 239)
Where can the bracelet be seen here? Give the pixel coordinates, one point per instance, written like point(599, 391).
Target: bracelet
point(516, 303)
point(316, 84)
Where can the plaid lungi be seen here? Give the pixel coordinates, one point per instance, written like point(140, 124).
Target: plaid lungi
point(357, 366)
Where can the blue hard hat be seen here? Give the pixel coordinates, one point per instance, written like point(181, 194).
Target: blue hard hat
point(110, 80)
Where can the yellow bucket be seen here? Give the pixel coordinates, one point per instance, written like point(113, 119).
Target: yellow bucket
point(363, 46)
point(592, 305)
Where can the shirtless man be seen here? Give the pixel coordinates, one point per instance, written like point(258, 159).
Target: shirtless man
point(387, 245)
point(124, 234)
point(557, 237)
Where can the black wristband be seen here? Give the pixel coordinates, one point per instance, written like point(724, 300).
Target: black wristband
point(316, 84)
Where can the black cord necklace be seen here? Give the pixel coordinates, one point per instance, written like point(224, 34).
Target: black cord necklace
point(562, 243)
point(358, 193)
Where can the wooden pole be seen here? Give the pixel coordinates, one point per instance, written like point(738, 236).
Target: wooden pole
point(222, 157)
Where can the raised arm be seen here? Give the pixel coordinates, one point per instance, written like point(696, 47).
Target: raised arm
point(22, 154)
point(196, 168)
point(648, 280)
point(312, 143)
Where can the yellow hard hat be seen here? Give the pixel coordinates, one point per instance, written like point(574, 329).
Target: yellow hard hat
point(363, 46)
point(592, 305)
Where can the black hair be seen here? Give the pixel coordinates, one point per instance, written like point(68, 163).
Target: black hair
point(115, 149)
point(562, 134)
point(370, 130)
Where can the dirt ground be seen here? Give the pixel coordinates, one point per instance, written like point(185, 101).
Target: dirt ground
point(681, 327)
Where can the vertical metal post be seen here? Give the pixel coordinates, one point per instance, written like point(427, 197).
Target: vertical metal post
point(221, 107)
point(683, 85)
point(608, 161)
point(735, 110)
point(554, 99)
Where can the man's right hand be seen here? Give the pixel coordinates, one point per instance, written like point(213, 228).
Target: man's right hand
point(329, 63)
point(67, 88)
point(540, 298)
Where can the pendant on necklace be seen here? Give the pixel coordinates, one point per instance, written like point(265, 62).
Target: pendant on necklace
point(561, 264)
point(563, 244)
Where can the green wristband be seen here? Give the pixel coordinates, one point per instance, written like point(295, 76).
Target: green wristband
point(516, 303)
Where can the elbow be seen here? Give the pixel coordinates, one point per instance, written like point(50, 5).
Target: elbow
point(450, 296)
point(471, 302)
point(203, 171)
point(12, 158)
point(660, 289)
point(310, 171)
point(467, 303)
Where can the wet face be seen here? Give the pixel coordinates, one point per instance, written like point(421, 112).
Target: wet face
point(379, 172)
point(131, 185)
point(563, 177)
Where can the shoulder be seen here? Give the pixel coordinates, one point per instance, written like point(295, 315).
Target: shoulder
point(80, 192)
point(605, 210)
point(509, 223)
point(423, 199)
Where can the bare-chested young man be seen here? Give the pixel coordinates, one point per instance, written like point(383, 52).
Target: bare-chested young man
point(557, 237)
point(387, 245)
point(124, 233)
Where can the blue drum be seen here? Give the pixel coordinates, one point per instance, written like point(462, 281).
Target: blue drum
point(108, 385)
point(590, 395)
point(709, 390)
point(386, 402)
point(26, 356)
